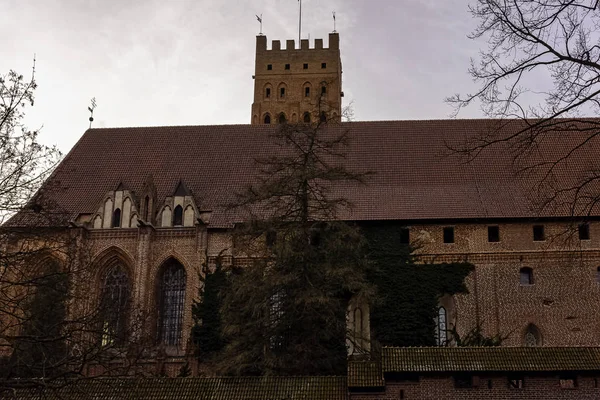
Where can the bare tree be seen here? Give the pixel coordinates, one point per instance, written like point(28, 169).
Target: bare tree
point(542, 68)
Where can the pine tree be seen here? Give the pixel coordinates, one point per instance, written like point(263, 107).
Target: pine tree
point(285, 312)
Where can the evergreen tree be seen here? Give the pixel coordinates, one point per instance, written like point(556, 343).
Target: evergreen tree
point(285, 311)
point(206, 332)
point(40, 348)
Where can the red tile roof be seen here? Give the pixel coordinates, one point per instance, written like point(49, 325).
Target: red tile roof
point(415, 176)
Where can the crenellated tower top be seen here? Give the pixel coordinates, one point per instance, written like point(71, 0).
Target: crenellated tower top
point(297, 84)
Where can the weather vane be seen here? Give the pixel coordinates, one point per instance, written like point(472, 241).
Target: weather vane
point(91, 109)
point(334, 31)
point(260, 20)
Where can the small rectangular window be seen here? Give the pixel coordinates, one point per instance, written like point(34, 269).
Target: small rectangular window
point(268, 93)
point(269, 67)
point(516, 382)
point(307, 92)
point(463, 381)
point(282, 92)
point(584, 232)
point(404, 236)
point(449, 234)
point(538, 233)
point(568, 382)
point(323, 65)
point(305, 66)
point(287, 66)
point(323, 89)
point(493, 234)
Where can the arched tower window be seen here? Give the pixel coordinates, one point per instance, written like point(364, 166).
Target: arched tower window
point(533, 337)
point(114, 306)
point(178, 216)
point(441, 329)
point(323, 117)
point(267, 119)
point(307, 117)
point(116, 219)
point(171, 289)
point(282, 119)
point(526, 276)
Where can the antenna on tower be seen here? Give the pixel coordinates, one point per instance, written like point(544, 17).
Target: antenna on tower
point(334, 31)
point(300, 23)
point(260, 20)
point(91, 109)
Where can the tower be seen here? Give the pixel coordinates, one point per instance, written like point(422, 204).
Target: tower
point(297, 85)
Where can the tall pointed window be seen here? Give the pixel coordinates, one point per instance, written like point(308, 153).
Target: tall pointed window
point(267, 119)
point(116, 219)
point(307, 117)
point(114, 306)
point(441, 329)
point(171, 303)
point(533, 338)
point(178, 216)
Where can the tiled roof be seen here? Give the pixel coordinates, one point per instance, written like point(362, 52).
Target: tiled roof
point(524, 359)
point(414, 177)
point(230, 388)
point(362, 374)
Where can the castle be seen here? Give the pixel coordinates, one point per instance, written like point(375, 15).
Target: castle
point(147, 204)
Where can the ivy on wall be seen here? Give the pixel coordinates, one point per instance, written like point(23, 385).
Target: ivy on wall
point(407, 292)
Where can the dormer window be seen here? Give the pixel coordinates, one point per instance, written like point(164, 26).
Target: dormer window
point(116, 219)
point(178, 216)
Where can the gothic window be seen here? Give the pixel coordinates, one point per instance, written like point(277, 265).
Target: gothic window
point(267, 119)
point(532, 338)
point(282, 92)
point(282, 119)
point(116, 219)
point(323, 90)
point(268, 93)
point(323, 117)
point(307, 117)
point(526, 276)
point(358, 328)
point(441, 333)
point(178, 216)
point(114, 305)
point(171, 303)
point(307, 91)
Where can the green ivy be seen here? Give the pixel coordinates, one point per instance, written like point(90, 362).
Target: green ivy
point(407, 292)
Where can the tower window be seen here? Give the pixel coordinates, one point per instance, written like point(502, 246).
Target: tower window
point(282, 92)
point(323, 65)
point(307, 92)
point(449, 234)
point(538, 233)
point(269, 67)
point(178, 216)
point(287, 66)
point(268, 92)
point(323, 89)
point(305, 66)
point(493, 234)
point(526, 276)
point(584, 231)
point(323, 117)
point(282, 119)
point(307, 117)
point(267, 119)
point(116, 221)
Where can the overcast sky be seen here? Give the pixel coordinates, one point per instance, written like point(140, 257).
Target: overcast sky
point(190, 62)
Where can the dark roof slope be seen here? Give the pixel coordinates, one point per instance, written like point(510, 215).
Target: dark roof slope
point(230, 388)
point(473, 359)
point(414, 176)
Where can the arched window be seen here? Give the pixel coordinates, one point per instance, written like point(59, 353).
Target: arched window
point(114, 306)
point(267, 119)
point(171, 303)
point(323, 117)
point(532, 338)
point(441, 332)
point(178, 216)
point(116, 220)
point(307, 117)
point(358, 328)
point(147, 209)
point(282, 119)
point(526, 276)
